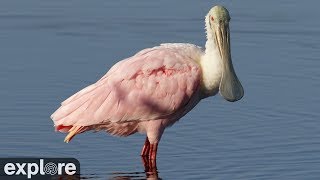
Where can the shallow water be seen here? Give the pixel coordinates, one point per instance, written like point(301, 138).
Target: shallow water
point(51, 49)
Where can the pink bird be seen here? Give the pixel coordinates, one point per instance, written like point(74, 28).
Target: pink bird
point(153, 89)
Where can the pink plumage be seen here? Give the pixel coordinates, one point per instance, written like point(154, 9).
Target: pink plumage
point(156, 84)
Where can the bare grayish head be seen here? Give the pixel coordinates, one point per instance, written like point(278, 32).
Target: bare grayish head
point(218, 20)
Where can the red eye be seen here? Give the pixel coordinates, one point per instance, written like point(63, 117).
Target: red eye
point(212, 19)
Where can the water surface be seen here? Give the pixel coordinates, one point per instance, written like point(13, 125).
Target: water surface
point(51, 49)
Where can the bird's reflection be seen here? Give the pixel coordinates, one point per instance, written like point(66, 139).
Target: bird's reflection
point(150, 171)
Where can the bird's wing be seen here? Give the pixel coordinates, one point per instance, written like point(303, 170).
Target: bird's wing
point(154, 83)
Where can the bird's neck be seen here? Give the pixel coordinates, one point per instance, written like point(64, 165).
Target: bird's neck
point(211, 65)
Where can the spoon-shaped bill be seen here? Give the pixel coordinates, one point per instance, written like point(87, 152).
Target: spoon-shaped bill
point(230, 87)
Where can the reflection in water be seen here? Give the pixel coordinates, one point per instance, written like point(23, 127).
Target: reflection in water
point(150, 165)
point(150, 172)
point(134, 175)
point(89, 176)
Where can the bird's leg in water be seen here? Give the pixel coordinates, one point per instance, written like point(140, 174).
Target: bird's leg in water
point(149, 155)
point(153, 151)
point(146, 148)
point(150, 166)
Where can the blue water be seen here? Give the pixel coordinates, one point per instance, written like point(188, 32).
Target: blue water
point(51, 49)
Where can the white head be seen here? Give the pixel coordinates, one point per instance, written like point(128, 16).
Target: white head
point(217, 26)
point(218, 15)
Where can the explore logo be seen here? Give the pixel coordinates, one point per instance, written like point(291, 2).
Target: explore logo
point(39, 168)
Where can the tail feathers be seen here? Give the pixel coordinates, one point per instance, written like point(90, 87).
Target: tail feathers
point(74, 131)
point(117, 129)
point(62, 128)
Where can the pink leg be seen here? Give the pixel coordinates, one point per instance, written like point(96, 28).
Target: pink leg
point(146, 148)
point(154, 131)
point(153, 151)
point(150, 166)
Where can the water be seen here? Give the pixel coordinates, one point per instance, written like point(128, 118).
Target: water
point(51, 49)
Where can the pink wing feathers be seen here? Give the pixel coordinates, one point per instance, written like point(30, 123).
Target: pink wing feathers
point(150, 85)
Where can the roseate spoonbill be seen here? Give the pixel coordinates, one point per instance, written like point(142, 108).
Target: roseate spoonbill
point(154, 88)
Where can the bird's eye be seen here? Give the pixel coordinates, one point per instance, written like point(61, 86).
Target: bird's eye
point(220, 21)
point(212, 18)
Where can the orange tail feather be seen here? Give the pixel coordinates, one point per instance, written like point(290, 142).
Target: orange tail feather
point(74, 131)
